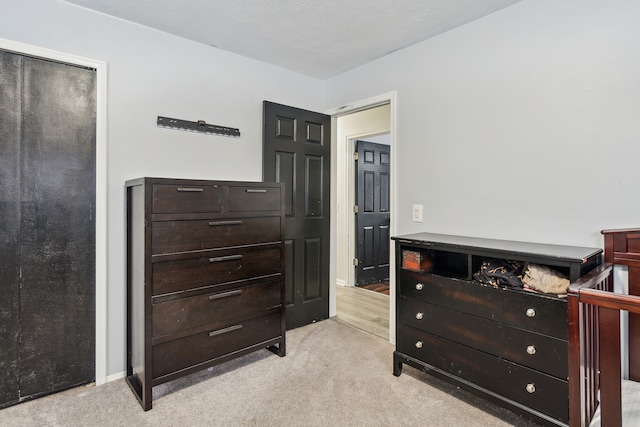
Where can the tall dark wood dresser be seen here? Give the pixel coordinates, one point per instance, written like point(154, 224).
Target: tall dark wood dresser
point(508, 345)
point(205, 266)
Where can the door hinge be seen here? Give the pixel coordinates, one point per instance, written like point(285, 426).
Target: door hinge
point(355, 208)
point(355, 156)
point(355, 262)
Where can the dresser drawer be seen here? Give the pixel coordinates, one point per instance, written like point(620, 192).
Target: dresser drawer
point(182, 353)
point(243, 199)
point(531, 349)
point(186, 313)
point(180, 236)
point(526, 310)
point(187, 198)
point(523, 385)
point(215, 268)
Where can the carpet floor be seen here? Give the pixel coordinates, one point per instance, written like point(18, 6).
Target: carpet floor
point(333, 375)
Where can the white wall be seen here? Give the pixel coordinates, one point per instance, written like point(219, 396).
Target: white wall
point(150, 74)
point(522, 125)
point(384, 139)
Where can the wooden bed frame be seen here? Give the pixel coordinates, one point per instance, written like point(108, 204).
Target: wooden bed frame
point(594, 334)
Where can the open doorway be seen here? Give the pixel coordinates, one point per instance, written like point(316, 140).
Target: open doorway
point(367, 310)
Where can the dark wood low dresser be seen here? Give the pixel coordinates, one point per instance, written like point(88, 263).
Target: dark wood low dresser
point(205, 265)
point(508, 345)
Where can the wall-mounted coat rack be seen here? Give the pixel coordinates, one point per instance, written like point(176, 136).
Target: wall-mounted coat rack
point(199, 126)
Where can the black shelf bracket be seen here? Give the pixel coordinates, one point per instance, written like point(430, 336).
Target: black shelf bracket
point(199, 126)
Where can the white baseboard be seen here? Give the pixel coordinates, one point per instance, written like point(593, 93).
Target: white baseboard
point(117, 376)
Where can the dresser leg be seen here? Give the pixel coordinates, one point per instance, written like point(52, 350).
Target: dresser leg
point(397, 365)
point(141, 391)
point(280, 349)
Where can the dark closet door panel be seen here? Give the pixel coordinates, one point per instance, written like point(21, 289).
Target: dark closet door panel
point(9, 225)
point(57, 227)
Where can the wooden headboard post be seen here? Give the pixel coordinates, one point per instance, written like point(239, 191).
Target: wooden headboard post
point(622, 247)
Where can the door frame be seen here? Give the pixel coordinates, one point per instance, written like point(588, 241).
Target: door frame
point(353, 107)
point(101, 186)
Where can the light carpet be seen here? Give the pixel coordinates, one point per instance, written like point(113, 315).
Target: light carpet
point(333, 375)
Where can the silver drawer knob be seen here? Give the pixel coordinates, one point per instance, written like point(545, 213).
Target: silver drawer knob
point(419, 286)
point(531, 388)
point(531, 312)
point(531, 349)
point(419, 344)
point(419, 315)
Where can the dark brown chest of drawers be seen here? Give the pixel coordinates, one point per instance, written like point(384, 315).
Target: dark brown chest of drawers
point(507, 345)
point(205, 265)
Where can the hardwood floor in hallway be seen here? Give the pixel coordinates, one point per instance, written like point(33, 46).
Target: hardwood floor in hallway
point(381, 287)
point(363, 309)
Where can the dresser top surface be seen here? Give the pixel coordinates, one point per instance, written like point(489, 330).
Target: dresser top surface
point(476, 244)
point(179, 181)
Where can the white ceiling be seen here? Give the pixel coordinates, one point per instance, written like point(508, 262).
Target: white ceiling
point(318, 38)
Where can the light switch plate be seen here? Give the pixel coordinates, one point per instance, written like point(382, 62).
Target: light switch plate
point(417, 213)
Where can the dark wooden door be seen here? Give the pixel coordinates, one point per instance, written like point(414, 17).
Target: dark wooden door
point(297, 152)
point(47, 230)
point(373, 214)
